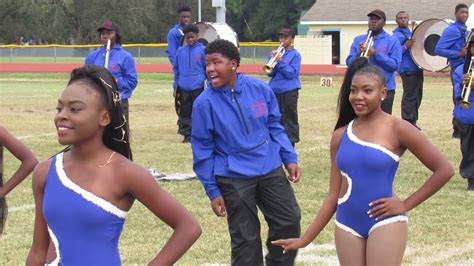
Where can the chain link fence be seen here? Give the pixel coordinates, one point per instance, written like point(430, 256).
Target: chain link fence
point(251, 53)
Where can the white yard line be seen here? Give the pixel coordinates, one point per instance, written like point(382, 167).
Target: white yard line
point(21, 208)
point(36, 136)
point(468, 248)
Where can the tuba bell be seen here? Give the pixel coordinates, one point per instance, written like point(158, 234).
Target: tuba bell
point(268, 67)
point(427, 35)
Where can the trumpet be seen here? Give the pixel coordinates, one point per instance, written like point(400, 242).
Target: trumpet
point(368, 43)
point(466, 89)
point(107, 54)
point(268, 67)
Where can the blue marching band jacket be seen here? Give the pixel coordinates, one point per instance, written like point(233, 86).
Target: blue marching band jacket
point(388, 55)
point(121, 66)
point(237, 133)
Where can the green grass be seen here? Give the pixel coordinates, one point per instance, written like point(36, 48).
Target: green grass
point(440, 229)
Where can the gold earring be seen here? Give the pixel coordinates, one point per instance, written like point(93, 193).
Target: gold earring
point(233, 68)
point(382, 99)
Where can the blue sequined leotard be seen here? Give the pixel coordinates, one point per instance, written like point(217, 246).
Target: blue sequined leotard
point(84, 228)
point(369, 170)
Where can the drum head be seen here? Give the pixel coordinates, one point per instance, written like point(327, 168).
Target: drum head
point(426, 36)
point(209, 32)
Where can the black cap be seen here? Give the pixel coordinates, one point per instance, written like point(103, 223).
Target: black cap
point(287, 31)
point(109, 25)
point(379, 13)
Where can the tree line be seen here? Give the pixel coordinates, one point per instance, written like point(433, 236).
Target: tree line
point(141, 21)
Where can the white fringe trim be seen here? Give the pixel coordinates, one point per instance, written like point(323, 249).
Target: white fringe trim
point(107, 206)
point(348, 229)
point(55, 241)
point(355, 139)
point(398, 218)
point(349, 189)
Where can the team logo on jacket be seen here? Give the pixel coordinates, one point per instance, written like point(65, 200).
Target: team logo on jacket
point(260, 108)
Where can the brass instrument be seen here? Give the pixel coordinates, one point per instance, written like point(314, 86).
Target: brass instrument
point(466, 88)
point(468, 40)
point(107, 53)
point(413, 25)
point(368, 43)
point(268, 67)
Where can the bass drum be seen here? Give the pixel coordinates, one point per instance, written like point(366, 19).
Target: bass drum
point(426, 36)
point(210, 31)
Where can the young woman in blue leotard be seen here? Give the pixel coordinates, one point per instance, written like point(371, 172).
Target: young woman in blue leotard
point(371, 226)
point(83, 194)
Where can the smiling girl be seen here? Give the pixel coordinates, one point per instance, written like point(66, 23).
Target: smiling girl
point(83, 194)
point(366, 146)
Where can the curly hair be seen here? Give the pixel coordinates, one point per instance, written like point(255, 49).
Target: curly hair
point(224, 47)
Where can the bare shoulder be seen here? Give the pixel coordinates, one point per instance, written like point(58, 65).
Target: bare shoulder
point(40, 172)
point(403, 128)
point(128, 170)
point(336, 137)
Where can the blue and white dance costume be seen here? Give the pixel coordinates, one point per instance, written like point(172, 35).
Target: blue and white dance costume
point(369, 170)
point(84, 228)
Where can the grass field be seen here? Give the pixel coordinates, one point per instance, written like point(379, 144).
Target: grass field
point(441, 229)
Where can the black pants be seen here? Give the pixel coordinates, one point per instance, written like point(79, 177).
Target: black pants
point(184, 118)
point(387, 103)
point(412, 95)
point(466, 167)
point(288, 104)
point(274, 196)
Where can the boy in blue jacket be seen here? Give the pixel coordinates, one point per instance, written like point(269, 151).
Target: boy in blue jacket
point(285, 83)
point(385, 53)
point(452, 45)
point(464, 117)
point(121, 64)
point(239, 147)
point(189, 76)
point(175, 34)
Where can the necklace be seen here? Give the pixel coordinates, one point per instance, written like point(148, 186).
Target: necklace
point(108, 160)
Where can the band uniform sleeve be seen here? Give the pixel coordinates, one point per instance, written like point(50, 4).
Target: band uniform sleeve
point(457, 81)
point(292, 70)
point(444, 46)
point(402, 40)
point(353, 53)
point(390, 61)
point(129, 80)
point(202, 143)
point(176, 71)
point(277, 131)
point(173, 45)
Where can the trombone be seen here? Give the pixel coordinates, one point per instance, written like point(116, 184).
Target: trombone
point(107, 54)
point(466, 88)
point(367, 44)
point(268, 67)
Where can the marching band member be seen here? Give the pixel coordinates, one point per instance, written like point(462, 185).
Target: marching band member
point(366, 146)
point(121, 63)
point(411, 74)
point(452, 45)
point(285, 83)
point(465, 117)
point(189, 77)
point(175, 34)
point(385, 53)
point(239, 147)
